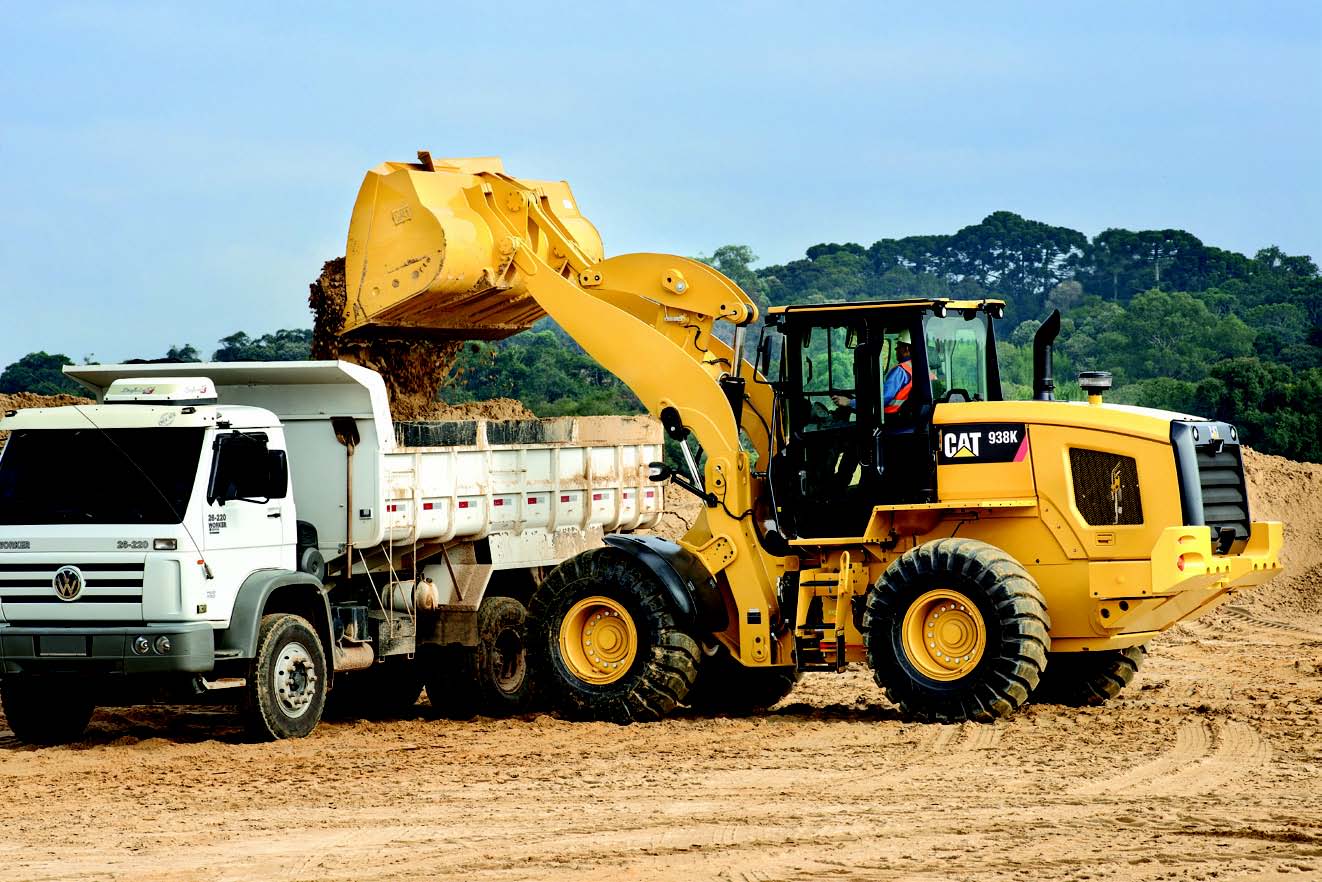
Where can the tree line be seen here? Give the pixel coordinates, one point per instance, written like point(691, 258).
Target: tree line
point(1181, 325)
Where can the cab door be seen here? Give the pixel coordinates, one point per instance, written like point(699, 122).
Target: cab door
point(827, 466)
point(249, 514)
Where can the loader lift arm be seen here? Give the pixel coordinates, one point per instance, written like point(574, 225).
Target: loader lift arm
point(457, 249)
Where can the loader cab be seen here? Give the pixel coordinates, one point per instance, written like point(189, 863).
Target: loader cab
point(844, 441)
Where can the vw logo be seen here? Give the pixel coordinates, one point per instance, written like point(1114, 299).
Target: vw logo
point(68, 583)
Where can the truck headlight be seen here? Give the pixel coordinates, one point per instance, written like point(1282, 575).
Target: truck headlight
point(165, 544)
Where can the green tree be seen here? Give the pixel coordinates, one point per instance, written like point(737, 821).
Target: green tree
point(39, 372)
point(283, 345)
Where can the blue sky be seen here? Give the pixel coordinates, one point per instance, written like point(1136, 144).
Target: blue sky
point(173, 173)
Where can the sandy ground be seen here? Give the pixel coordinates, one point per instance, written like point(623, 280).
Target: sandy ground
point(1208, 767)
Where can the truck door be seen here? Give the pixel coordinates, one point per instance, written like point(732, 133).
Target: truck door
point(249, 515)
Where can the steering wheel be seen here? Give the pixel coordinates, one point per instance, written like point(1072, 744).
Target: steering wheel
point(950, 396)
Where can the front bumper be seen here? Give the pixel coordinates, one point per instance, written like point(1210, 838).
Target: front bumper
point(1134, 600)
point(48, 649)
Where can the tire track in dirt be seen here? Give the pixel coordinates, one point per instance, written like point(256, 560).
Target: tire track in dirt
point(1203, 756)
point(1243, 616)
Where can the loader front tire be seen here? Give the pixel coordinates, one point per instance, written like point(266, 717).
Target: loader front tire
point(606, 643)
point(727, 687)
point(956, 630)
point(1079, 679)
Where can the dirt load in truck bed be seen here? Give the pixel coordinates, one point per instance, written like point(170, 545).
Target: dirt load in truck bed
point(1207, 767)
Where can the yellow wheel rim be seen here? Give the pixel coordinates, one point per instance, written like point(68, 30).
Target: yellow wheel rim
point(598, 640)
point(944, 635)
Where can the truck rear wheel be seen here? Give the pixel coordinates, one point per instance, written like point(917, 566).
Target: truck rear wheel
point(47, 710)
point(490, 678)
point(606, 643)
point(726, 686)
point(286, 690)
point(956, 629)
point(1078, 679)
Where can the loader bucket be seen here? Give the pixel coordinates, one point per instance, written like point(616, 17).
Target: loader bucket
point(428, 258)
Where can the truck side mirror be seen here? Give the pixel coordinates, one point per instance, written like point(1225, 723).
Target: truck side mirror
point(277, 474)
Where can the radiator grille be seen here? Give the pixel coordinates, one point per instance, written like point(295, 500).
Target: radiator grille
point(1221, 479)
point(1106, 488)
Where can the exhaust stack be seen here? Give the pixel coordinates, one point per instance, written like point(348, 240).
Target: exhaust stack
point(1043, 385)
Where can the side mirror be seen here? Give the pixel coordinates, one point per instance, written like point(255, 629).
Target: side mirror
point(277, 474)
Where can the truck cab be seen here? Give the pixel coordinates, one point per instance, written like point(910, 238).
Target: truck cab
point(147, 513)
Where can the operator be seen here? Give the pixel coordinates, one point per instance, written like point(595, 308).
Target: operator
point(899, 379)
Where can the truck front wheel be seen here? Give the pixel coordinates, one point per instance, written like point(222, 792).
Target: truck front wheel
point(47, 710)
point(606, 643)
point(286, 690)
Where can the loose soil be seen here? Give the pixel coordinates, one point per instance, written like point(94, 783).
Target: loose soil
point(1208, 767)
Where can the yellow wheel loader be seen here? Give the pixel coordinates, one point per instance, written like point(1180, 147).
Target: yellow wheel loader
point(867, 493)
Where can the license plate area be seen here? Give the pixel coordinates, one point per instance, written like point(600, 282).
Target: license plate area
point(63, 646)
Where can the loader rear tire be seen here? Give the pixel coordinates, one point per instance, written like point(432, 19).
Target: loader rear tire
point(641, 666)
point(726, 686)
point(986, 657)
point(47, 710)
point(1079, 679)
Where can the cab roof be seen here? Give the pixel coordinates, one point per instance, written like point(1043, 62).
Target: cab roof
point(897, 305)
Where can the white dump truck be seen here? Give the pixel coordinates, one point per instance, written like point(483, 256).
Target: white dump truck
point(267, 529)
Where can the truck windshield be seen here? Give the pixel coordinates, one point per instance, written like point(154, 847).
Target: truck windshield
point(89, 476)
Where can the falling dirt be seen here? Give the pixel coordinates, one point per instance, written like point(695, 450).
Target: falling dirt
point(414, 369)
point(1208, 766)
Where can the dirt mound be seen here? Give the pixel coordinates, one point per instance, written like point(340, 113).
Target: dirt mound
point(1284, 490)
point(681, 511)
point(412, 368)
point(20, 400)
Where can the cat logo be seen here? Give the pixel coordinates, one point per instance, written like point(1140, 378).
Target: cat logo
point(969, 443)
point(961, 445)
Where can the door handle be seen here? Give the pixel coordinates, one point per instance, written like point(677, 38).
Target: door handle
point(273, 514)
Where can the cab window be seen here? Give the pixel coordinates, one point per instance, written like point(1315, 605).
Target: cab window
point(957, 356)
